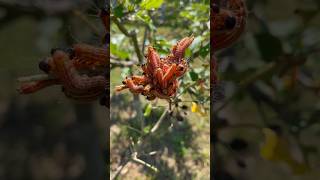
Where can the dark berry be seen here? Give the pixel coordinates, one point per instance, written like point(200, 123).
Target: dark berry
point(184, 107)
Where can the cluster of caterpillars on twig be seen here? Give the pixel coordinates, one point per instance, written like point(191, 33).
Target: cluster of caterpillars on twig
point(160, 75)
point(81, 70)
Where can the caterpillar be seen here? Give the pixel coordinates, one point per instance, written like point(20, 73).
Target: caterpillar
point(28, 88)
point(76, 86)
point(81, 70)
point(90, 57)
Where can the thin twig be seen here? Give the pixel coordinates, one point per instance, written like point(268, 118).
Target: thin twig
point(132, 35)
point(146, 31)
point(137, 106)
point(36, 77)
point(139, 161)
point(134, 39)
point(122, 63)
point(119, 169)
point(140, 144)
point(159, 122)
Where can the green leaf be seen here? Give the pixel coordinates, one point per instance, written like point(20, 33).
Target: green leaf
point(144, 17)
point(194, 76)
point(197, 12)
point(114, 49)
point(187, 53)
point(148, 110)
point(151, 4)
point(146, 129)
point(204, 51)
point(118, 11)
point(161, 45)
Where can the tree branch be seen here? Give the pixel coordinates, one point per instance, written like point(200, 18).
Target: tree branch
point(132, 35)
point(140, 145)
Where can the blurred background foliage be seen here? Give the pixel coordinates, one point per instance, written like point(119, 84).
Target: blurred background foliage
point(181, 151)
point(267, 127)
point(45, 135)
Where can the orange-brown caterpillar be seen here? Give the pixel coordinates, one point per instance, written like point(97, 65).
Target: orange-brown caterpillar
point(90, 57)
point(76, 86)
point(28, 88)
point(65, 72)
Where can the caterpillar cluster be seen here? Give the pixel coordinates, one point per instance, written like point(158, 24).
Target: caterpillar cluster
point(160, 75)
point(81, 70)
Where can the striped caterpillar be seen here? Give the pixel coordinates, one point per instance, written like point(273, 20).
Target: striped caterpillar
point(88, 57)
point(33, 86)
point(76, 86)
